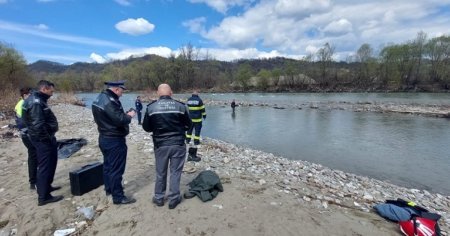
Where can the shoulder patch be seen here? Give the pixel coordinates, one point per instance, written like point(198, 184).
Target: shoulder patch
point(36, 100)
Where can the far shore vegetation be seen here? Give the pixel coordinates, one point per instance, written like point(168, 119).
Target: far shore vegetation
point(419, 65)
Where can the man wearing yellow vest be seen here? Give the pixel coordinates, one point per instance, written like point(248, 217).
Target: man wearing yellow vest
point(196, 112)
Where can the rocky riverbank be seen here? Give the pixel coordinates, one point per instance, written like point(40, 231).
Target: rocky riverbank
point(264, 194)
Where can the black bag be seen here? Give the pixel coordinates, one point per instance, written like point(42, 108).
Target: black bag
point(87, 178)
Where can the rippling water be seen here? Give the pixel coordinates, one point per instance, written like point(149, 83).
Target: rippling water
point(407, 150)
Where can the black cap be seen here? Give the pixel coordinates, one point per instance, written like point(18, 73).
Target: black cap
point(120, 84)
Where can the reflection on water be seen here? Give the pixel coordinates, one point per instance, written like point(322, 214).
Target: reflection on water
point(408, 150)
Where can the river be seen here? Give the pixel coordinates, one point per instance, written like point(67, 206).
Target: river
point(407, 150)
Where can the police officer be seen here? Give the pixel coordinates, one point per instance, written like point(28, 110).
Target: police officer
point(32, 159)
point(138, 105)
point(168, 120)
point(113, 127)
point(42, 126)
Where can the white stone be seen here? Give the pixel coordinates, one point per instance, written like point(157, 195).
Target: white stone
point(368, 197)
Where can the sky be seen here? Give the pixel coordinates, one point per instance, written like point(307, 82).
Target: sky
point(69, 31)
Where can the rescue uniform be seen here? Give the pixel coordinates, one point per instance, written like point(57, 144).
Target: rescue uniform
point(32, 158)
point(42, 126)
point(196, 112)
point(113, 127)
point(168, 119)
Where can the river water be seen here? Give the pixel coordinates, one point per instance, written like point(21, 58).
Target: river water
point(407, 150)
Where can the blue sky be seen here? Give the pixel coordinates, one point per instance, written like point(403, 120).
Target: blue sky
point(69, 31)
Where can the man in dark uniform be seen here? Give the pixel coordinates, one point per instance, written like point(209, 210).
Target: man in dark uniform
point(113, 127)
point(168, 120)
point(138, 105)
point(42, 126)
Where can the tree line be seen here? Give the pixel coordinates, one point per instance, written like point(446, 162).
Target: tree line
point(420, 64)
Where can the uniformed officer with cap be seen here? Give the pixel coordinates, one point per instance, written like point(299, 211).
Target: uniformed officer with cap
point(113, 127)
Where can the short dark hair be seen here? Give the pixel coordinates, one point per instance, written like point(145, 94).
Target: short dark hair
point(24, 91)
point(45, 83)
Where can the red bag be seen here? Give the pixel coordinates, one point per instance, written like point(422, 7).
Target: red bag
point(418, 226)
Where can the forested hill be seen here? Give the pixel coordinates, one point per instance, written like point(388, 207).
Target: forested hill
point(418, 65)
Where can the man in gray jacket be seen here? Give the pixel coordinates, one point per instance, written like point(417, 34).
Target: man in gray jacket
point(168, 120)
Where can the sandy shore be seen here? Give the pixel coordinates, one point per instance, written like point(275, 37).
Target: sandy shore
point(264, 194)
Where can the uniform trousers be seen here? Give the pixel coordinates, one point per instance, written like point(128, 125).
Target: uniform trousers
point(114, 150)
point(139, 116)
point(169, 156)
point(196, 127)
point(32, 159)
point(47, 159)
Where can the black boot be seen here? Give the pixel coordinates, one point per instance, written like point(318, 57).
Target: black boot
point(193, 155)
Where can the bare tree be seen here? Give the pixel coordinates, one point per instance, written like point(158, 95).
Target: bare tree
point(325, 58)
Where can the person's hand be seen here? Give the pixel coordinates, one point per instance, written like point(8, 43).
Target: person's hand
point(131, 113)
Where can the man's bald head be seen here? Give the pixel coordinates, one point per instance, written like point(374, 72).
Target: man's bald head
point(164, 90)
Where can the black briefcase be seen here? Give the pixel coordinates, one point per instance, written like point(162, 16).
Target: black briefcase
point(87, 178)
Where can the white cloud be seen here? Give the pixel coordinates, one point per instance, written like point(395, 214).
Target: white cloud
point(42, 27)
point(310, 49)
point(97, 58)
point(292, 27)
point(338, 27)
point(222, 6)
point(139, 52)
point(3, 1)
point(301, 9)
point(123, 2)
point(135, 27)
point(228, 54)
point(196, 25)
point(248, 53)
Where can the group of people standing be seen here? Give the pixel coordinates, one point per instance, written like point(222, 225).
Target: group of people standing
point(171, 123)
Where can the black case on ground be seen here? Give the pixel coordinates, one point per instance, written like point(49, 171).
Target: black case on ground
point(85, 179)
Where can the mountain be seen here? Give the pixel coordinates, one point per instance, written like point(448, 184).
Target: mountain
point(46, 66)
